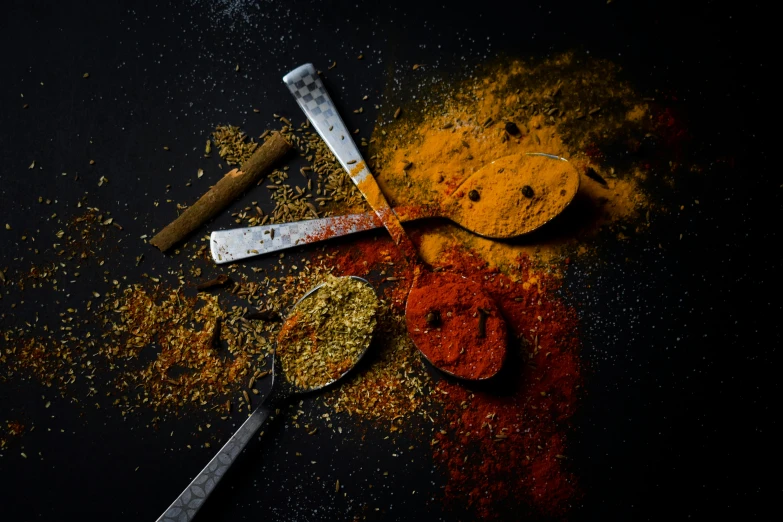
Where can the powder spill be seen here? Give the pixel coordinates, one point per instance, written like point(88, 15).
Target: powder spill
point(551, 106)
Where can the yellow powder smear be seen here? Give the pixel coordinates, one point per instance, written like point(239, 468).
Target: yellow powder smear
point(560, 107)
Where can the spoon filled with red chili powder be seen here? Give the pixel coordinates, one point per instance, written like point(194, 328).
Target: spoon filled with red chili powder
point(465, 336)
point(456, 325)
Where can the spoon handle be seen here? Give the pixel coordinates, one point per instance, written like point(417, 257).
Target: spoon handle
point(313, 98)
point(240, 243)
point(185, 507)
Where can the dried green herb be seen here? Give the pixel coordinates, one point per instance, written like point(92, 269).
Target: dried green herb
point(328, 332)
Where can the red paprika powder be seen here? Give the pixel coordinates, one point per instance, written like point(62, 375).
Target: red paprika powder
point(509, 450)
point(456, 325)
point(504, 451)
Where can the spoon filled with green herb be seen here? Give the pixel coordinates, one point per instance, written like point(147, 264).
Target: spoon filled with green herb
point(326, 334)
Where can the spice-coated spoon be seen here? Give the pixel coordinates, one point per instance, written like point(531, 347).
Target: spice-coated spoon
point(185, 507)
point(511, 197)
point(312, 97)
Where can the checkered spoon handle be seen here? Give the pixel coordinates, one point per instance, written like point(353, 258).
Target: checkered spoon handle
point(311, 95)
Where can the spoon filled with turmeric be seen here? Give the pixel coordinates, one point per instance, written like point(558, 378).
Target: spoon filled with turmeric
point(507, 198)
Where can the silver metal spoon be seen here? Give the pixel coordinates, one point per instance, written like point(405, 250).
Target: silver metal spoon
point(187, 504)
point(241, 243)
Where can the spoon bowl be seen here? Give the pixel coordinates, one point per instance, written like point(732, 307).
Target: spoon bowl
point(462, 332)
point(513, 195)
point(185, 507)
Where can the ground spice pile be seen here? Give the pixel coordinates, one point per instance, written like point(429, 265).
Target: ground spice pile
point(456, 325)
point(328, 332)
point(564, 106)
point(506, 447)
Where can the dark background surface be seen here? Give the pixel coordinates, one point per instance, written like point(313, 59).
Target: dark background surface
point(679, 420)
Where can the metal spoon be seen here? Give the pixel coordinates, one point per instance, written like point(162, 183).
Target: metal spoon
point(511, 174)
point(312, 97)
point(187, 504)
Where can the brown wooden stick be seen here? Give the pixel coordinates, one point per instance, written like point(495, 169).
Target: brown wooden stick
point(223, 192)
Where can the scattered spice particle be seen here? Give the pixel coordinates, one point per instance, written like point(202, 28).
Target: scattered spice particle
point(232, 144)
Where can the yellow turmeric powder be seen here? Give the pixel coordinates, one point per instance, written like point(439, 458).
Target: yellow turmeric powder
point(433, 156)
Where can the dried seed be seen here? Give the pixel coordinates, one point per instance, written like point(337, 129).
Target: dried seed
point(474, 195)
point(527, 191)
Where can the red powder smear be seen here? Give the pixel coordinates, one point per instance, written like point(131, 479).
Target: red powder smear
point(454, 344)
point(342, 225)
point(369, 254)
point(504, 451)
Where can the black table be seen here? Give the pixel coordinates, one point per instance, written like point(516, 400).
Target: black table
point(678, 423)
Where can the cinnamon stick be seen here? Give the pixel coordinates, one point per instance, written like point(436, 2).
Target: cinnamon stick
point(218, 197)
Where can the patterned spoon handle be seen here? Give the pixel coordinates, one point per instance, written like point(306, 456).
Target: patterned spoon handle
point(240, 243)
point(185, 507)
point(313, 98)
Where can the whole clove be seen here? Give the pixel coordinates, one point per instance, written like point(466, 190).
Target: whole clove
point(482, 322)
